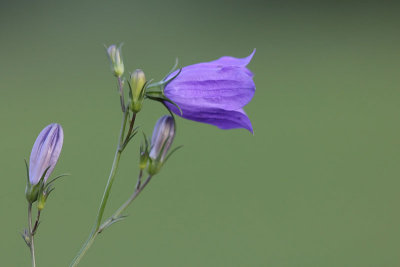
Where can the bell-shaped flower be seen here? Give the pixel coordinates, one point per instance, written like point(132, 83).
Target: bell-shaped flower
point(213, 92)
point(45, 153)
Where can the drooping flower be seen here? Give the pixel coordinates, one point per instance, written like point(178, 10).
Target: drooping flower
point(45, 152)
point(213, 92)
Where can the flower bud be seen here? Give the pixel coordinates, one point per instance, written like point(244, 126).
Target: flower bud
point(42, 198)
point(44, 156)
point(163, 135)
point(144, 157)
point(42, 201)
point(45, 153)
point(117, 65)
point(137, 83)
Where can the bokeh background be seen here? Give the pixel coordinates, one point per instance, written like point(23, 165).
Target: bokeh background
point(317, 184)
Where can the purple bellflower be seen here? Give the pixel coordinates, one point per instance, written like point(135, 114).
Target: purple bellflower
point(213, 92)
point(45, 152)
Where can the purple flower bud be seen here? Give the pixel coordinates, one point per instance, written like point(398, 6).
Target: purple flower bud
point(163, 135)
point(161, 141)
point(45, 152)
point(214, 92)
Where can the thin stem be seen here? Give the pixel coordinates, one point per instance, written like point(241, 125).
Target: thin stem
point(128, 135)
point(117, 214)
point(106, 194)
point(31, 234)
point(35, 226)
point(121, 94)
point(139, 180)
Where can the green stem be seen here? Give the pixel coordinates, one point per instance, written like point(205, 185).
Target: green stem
point(128, 135)
point(106, 194)
point(118, 213)
point(121, 94)
point(32, 244)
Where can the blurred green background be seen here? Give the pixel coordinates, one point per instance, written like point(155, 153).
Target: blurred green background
point(317, 185)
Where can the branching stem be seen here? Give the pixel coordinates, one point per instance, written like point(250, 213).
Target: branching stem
point(106, 194)
point(118, 213)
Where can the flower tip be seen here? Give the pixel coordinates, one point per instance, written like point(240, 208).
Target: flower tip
point(115, 57)
point(234, 61)
point(249, 127)
point(251, 131)
point(111, 48)
point(249, 57)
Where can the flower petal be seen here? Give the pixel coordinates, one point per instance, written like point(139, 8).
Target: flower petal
point(233, 61)
point(214, 86)
point(223, 119)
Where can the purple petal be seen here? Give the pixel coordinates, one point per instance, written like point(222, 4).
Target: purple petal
point(163, 135)
point(233, 61)
point(45, 152)
point(216, 86)
point(223, 119)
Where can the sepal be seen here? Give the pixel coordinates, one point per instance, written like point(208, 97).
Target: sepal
point(160, 97)
point(46, 190)
point(144, 153)
point(32, 191)
point(155, 165)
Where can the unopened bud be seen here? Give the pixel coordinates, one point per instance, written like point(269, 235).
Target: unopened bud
point(137, 83)
point(144, 158)
point(43, 159)
point(45, 153)
point(161, 141)
point(42, 201)
point(117, 65)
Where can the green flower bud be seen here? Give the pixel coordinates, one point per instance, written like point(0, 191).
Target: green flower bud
point(137, 84)
point(41, 201)
point(43, 196)
point(144, 157)
point(117, 65)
